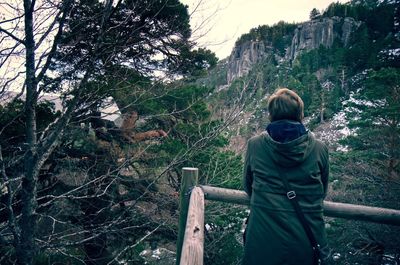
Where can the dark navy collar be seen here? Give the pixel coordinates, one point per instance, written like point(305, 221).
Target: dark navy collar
point(284, 131)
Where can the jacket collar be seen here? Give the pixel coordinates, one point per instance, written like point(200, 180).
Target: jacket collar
point(284, 131)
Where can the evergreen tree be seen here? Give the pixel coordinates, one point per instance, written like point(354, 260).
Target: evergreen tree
point(374, 113)
point(314, 14)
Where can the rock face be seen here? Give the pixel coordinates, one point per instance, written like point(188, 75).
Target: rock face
point(307, 36)
point(243, 57)
point(311, 34)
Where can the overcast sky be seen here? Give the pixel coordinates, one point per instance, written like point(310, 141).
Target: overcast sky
point(221, 22)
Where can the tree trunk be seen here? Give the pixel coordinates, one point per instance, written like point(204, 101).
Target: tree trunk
point(321, 117)
point(343, 82)
point(26, 247)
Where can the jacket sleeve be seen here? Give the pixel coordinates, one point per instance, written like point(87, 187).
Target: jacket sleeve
point(247, 173)
point(325, 169)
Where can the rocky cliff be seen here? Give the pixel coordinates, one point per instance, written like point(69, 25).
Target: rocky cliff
point(243, 57)
point(307, 36)
point(312, 34)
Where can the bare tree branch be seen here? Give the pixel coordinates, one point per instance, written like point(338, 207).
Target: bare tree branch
point(134, 245)
point(12, 36)
point(67, 7)
point(10, 212)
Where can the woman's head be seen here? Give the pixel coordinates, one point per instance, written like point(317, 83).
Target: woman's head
point(285, 104)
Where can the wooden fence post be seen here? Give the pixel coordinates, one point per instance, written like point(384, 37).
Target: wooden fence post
point(189, 180)
point(193, 242)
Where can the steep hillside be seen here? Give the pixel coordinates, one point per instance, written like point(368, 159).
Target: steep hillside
point(345, 64)
point(319, 58)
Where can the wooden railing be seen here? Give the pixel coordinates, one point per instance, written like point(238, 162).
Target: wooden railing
point(190, 243)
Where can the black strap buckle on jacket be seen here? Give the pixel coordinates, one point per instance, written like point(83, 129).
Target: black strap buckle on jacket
point(291, 194)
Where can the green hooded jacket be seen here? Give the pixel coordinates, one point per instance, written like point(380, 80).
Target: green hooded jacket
point(274, 234)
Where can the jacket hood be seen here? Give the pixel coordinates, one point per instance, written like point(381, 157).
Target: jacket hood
point(285, 130)
point(290, 153)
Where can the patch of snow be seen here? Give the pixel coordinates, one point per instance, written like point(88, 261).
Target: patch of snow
point(346, 131)
point(337, 128)
point(158, 256)
point(143, 253)
point(336, 256)
point(342, 148)
point(359, 77)
point(230, 225)
point(389, 54)
point(211, 227)
point(328, 85)
point(156, 253)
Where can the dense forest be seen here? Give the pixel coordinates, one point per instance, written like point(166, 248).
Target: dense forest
point(103, 103)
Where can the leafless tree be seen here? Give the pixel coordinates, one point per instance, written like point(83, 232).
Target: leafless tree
point(39, 43)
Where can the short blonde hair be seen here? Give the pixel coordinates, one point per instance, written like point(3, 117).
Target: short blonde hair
point(285, 104)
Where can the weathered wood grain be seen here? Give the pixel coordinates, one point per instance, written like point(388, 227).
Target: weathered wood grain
point(193, 242)
point(188, 181)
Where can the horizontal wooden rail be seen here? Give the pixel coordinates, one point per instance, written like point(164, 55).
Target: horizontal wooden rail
point(190, 241)
point(332, 209)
